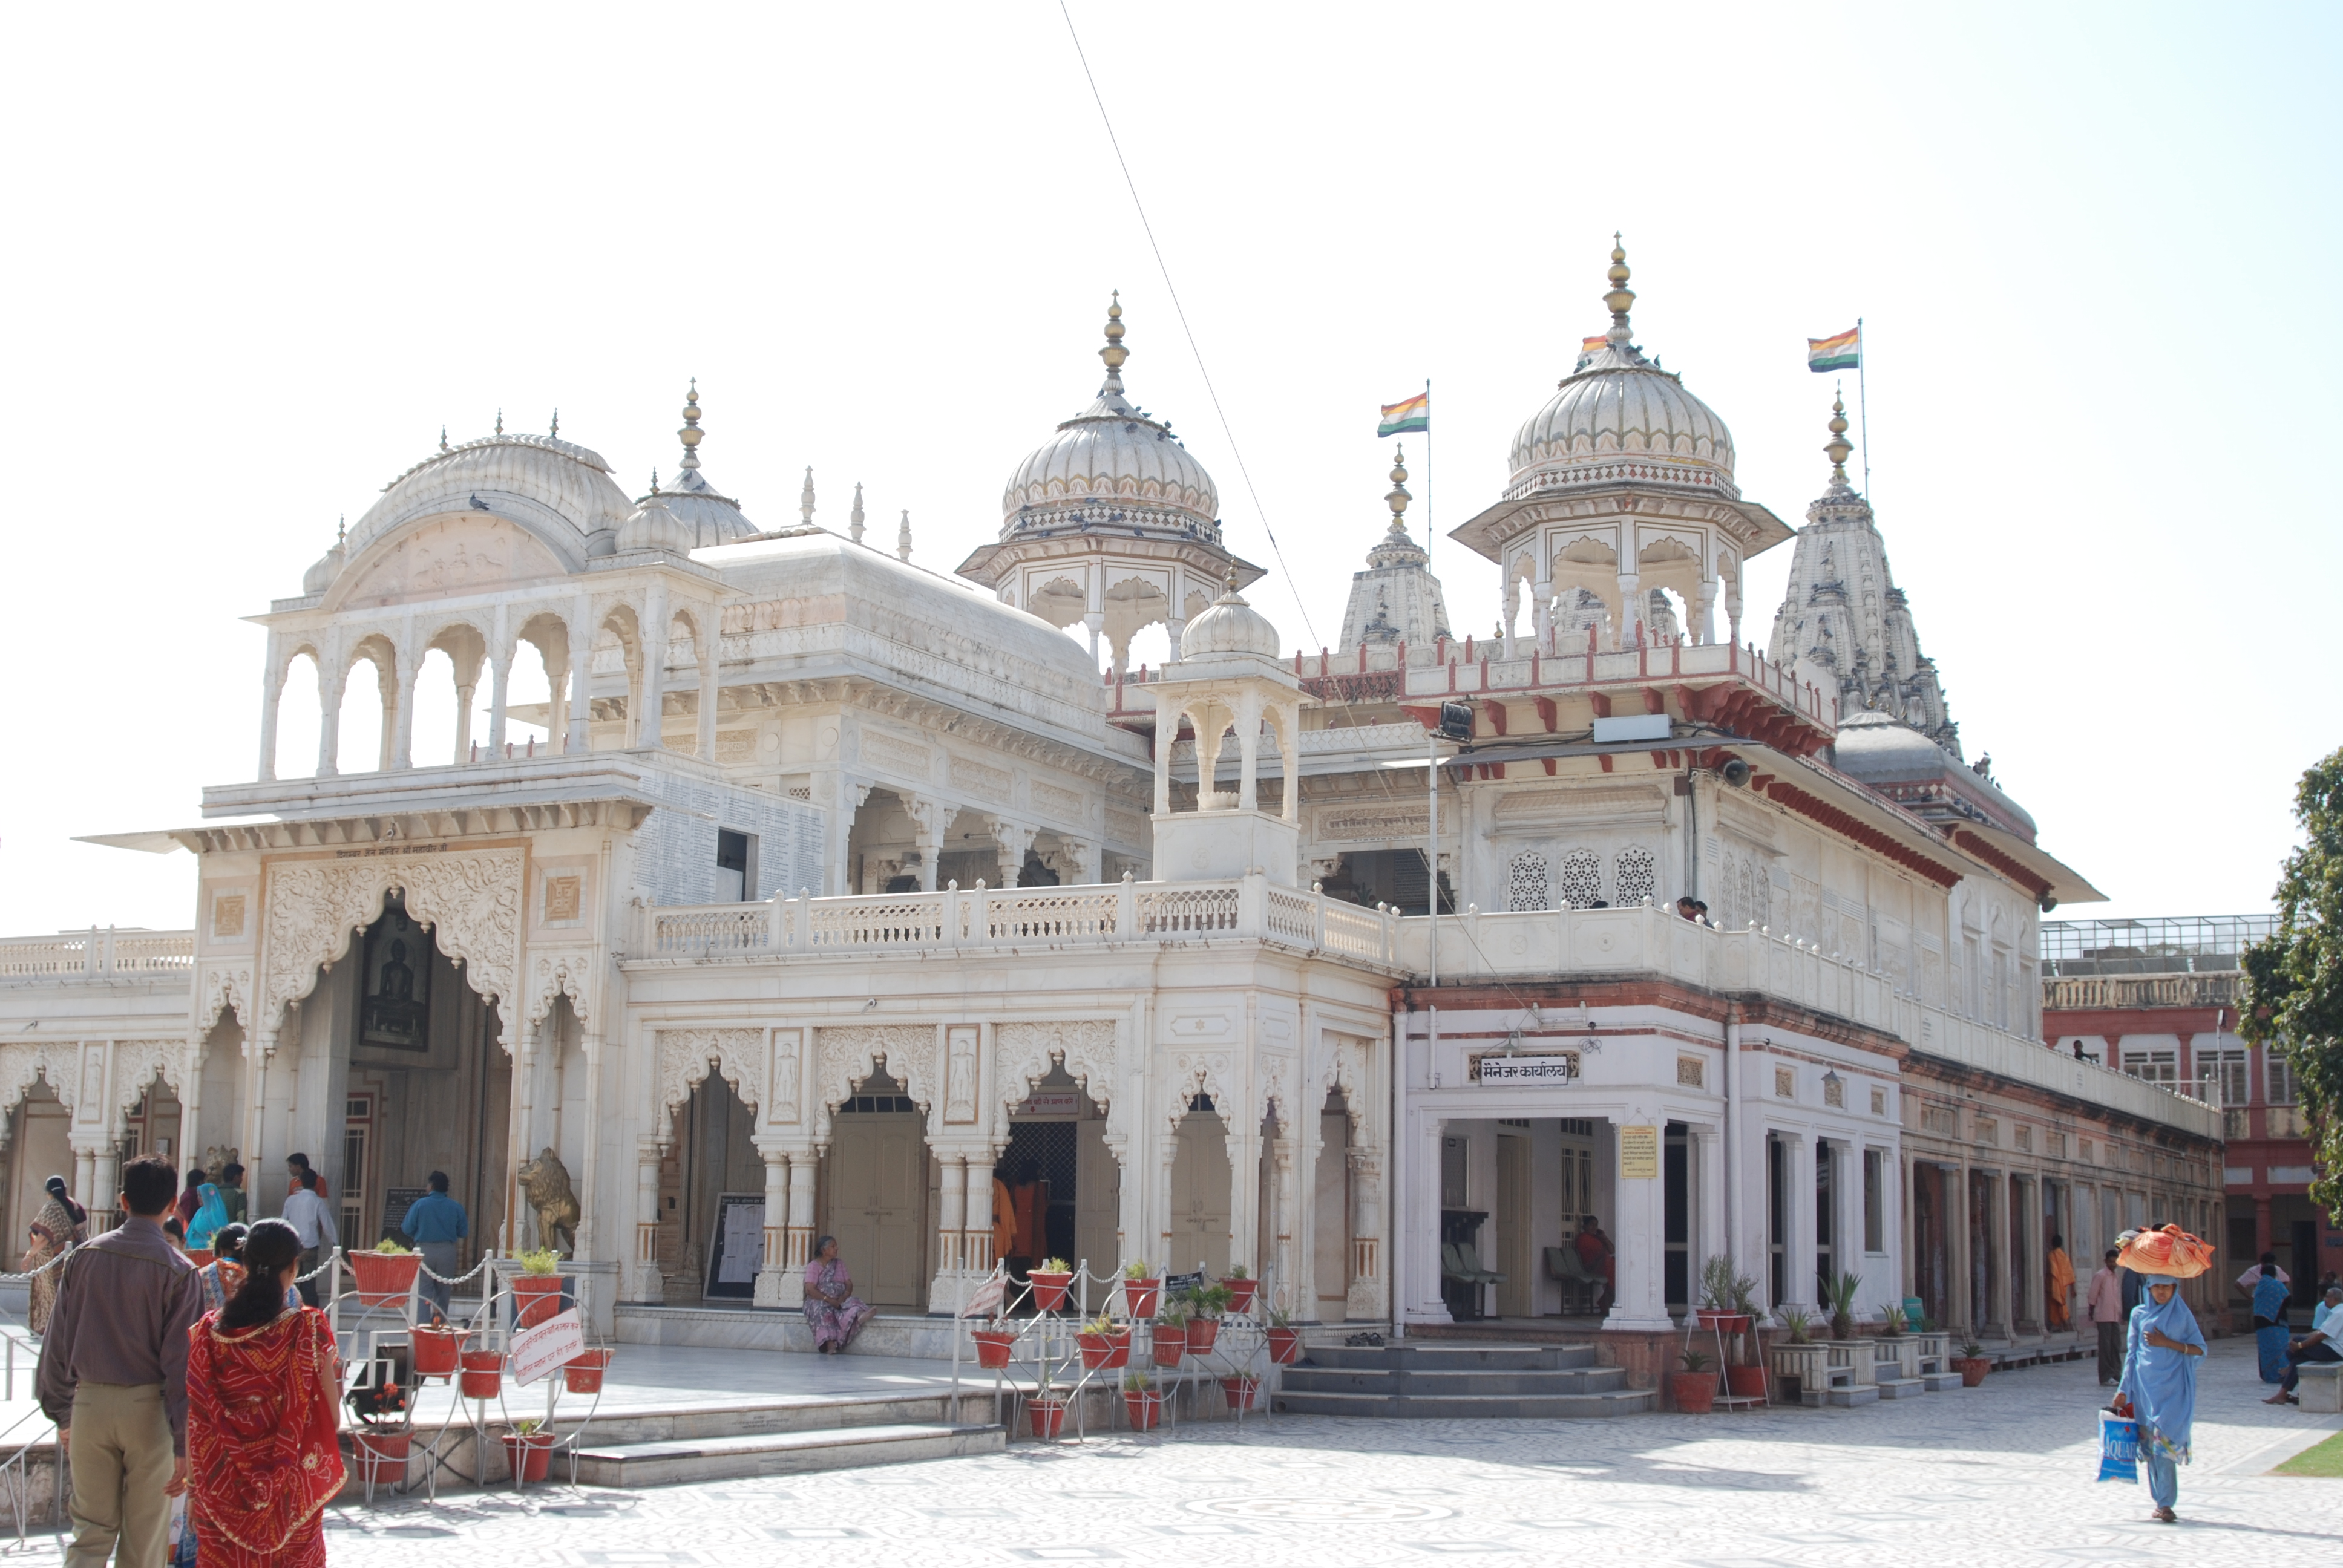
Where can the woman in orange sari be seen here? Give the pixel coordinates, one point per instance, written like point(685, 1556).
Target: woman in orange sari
point(263, 1408)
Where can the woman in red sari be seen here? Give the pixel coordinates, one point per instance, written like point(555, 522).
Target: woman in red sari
point(263, 1409)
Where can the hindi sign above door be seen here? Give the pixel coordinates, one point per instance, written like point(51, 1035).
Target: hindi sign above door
point(1639, 1153)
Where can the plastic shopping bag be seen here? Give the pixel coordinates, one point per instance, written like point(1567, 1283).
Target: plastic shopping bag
point(2119, 1447)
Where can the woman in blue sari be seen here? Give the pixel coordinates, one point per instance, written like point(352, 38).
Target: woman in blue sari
point(2270, 1324)
point(211, 1213)
point(2159, 1387)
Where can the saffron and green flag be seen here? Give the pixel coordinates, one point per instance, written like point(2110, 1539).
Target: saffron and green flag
point(1844, 352)
point(1399, 418)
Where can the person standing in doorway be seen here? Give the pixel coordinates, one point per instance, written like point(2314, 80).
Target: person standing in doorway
point(313, 1221)
point(114, 1376)
point(435, 1222)
point(2105, 1304)
point(2061, 1283)
point(1004, 1216)
point(231, 1188)
point(1029, 1198)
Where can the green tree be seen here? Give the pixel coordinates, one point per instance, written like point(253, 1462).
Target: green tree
point(2293, 995)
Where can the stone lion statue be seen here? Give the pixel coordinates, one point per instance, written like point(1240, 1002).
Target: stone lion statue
point(546, 1181)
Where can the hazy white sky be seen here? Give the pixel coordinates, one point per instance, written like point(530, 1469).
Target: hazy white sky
point(257, 258)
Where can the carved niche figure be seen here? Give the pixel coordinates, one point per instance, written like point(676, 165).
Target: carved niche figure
point(396, 1008)
point(546, 1181)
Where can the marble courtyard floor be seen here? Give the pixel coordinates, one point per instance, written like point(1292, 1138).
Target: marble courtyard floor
point(2001, 1474)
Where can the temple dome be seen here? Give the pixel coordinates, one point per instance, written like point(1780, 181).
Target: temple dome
point(697, 515)
point(542, 480)
point(1111, 463)
point(1619, 417)
point(1226, 626)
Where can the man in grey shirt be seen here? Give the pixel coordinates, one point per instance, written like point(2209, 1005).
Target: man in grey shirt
point(114, 1376)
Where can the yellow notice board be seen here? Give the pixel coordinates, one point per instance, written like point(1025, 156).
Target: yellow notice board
point(1639, 1153)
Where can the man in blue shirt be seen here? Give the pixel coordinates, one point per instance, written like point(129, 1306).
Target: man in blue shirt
point(435, 1222)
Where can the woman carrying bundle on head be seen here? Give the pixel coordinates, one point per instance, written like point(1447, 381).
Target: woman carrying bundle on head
point(263, 1409)
point(2162, 1343)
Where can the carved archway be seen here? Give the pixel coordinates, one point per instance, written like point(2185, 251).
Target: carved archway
point(687, 1056)
point(843, 1057)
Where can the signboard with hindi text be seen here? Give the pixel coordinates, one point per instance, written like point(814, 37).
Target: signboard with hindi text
point(1494, 1067)
point(737, 1248)
point(553, 1343)
point(1639, 1153)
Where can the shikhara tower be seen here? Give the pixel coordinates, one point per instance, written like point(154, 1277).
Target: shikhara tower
point(1846, 618)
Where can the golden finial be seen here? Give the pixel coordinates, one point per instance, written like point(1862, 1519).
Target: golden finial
point(443, 437)
point(1232, 579)
point(1838, 448)
point(500, 421)
point(556, 431)
point(341, 531)
point(1399, 498)
point(1620, 296)
point(690, 432)
point(1114, 353)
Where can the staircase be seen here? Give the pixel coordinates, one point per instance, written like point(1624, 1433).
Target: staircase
point(1448, 1380)
point(729, 1457)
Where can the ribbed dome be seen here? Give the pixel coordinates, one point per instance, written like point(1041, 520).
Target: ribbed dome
point(1619, 417)
point(654, 525)
point(1111, 463)
point(1229, 624)
point(542, 478)
point(325, 569)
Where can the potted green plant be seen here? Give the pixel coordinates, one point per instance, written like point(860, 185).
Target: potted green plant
point(1050, 1279)
point(386, 1276)
point(1797, 1325)
point(1142, 1400)
point(1241, 1287)
point(1891, 1327)
point(1694, 1390)
point(582, 1373)
point(380, 1441)
point(1972, 1363)
point(1284, 1339)
point(536, 1288)
point(528, 1449)
point(1045, 1407)
point(994, 1342)
point(483, 1374)
point(1796, 1362)
point(1722, 1288)
point(1103, 1345)
point(1168, 1340)
point(1139, 1289)
point(1206, 1304)
point(1842, 1288)
point(435, 1351)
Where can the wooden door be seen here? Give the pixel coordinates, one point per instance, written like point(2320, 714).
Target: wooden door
point(1516, 1298)
point(1098, 1202)
point(1201, 1186)
point(878, 1211)
point(1329, 1250)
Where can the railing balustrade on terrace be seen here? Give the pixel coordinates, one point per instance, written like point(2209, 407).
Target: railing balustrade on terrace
point(97, 954)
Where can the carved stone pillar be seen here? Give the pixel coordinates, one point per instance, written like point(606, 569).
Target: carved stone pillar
point(803, 1162)
point(706, 637)
point(658, 632)
point(951, 1227)
point(329, 719)
point(645, 1283)
point(1631, 611)
point(773, 1276)
point(976, 1232)
point(104, 1175)
point(1366, 1296)
point(272, 693)
point(499, 684)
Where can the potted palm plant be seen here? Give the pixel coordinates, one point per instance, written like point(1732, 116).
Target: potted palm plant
point(1843, 1289)
point(1284, 1339)
point(1797, 1364)
point(1693, 1388)
point(536, 1288)
point(528, 1449)
point(386, 1276)
point(1103, 1345)
point(1207, 1303)
point(1744, 1377)
point(1241, 1287)
point(1972, 1363)
point(1168, 1342)
point(1140, 1288)
point(1722, 1286)
point(1050, 1279)
point(1142, 1400)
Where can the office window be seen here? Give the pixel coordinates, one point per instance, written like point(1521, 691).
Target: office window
point(2277, 1076)
point(733, 858)
point(2225, 1076)
point(2152, 1066)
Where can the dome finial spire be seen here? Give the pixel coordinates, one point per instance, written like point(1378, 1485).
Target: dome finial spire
point(1621, 297)
point(854, 518)
point(1114, 353)
point(903, 537)
point(804, 498)
point(690, 432)
point(1399, 498)
point(1838, 448)
point(500, 421)
point(556, 431)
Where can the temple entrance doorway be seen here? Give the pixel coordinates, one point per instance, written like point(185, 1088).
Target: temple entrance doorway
point(715, 1153)
point(1330, 1250)
point(1201, 1185)
point(38, 1149)
point(875, 1196)
point(1057, 1136)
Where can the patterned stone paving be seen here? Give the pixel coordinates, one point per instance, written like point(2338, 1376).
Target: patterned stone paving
point(2003, 1474)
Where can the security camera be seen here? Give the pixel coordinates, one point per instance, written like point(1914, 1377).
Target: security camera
point(1737, 773)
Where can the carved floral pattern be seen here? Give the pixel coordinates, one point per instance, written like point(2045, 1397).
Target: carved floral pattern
point(844, 1057)
point(683, 1055)
point(136, 1063)
point(223, 987)
point(559, 974)
point(1087, 1046)
point(23, 1060)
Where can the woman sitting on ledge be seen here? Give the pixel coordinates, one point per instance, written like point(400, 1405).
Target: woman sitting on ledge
point(832, 1310)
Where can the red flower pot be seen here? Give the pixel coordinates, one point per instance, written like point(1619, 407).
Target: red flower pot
point(536, 1297)
point(1138, 1297)
point(1107, 1350)
point(1694, 1392)
point(1972, 1369)
point(1145, 1408)
point(1240, 1295)
point(584, 1375)
point(1721, 1321)
point(1284, 1346)
point(992, 1348)
point(434, 1351)
point(1203, 1333)
point(1046, 1415)
point(385, 1279)
point(530, 1455)
point(381, 1456)
point(484, 1373)
point(1168, 1343)
point(1746, 1383)
point(1048, 1289)
point(1240, 1391)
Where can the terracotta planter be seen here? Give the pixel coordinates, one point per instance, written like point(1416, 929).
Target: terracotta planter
point(1168, 1343)
point(992, 1348)
point(434, 1351)
point(1045, 1415)
point(1695, 1392)
point(1746, 1383)
point(584, 1375)
point(484, 1373)
point(529, 1454)
point(1240, 1391)
point(1103, 1351)
point(1721, 1321)
point(1203, 1333)
point(536, 1297)
point(1284, 1346)
point(1972, 1369)
point(385, 1279)
point(1242, 1294)
point(380, 1456)
point(1138, 1297)
point(1145, 1409)
point(1049, 1290)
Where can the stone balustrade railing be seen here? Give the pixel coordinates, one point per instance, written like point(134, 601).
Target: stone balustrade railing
point(2094, 993)
point(97, 954)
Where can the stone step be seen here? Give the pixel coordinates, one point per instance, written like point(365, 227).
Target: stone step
point(1902, 1387)
point(1847, 1398)
point(1938, 1382)
point(1387, 1381)
point(779, 1453)
point(1416, 1407)
point(1456, 1356)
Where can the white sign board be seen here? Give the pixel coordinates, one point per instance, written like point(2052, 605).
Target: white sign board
point(1558, 1067)
point(1052, 1102)
point(553, 1343)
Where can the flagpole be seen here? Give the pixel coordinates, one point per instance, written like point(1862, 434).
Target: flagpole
point(1863, 403)
point(1427, 474)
